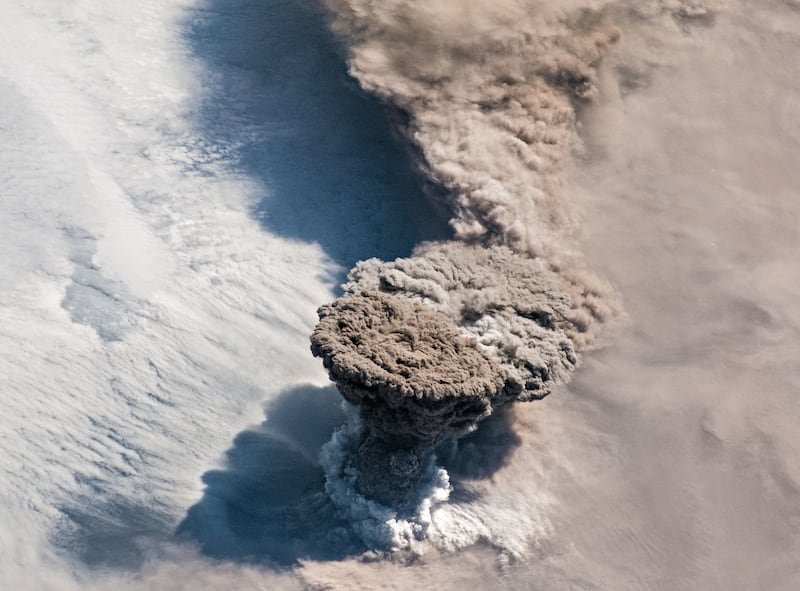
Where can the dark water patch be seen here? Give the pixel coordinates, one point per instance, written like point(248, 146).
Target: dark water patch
point(92, 298)
point(632, 77)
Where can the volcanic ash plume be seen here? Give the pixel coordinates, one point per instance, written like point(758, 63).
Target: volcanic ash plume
point(513, 306)
point(429, 345)
point(396, 346)
point(414, 377)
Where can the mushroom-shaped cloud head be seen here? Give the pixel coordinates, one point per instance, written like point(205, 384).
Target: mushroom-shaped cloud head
point(415, 377)
point(408, 366)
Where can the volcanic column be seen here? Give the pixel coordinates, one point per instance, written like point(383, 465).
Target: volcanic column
point(415, 378)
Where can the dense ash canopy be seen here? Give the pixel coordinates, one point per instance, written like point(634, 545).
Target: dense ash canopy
point(415, 377)
point(429, 346)
point(514, 306)
point(391, 349)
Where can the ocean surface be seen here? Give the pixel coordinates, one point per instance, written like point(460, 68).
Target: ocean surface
point(184, 182)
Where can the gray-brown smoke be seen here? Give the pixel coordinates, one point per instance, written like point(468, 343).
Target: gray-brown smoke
point(491, 92)
point(513, 306)
point(490, 88)
point(395, 346)
point(415, 378)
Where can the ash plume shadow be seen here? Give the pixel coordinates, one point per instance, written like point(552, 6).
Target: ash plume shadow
point(331, 167)
point(483, 452)
point(267, 505)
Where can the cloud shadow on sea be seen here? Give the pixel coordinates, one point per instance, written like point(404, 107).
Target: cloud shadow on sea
point(332, 169)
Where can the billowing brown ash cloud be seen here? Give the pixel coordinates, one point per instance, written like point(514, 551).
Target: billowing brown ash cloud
point(415, 378)
point(429, 345)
